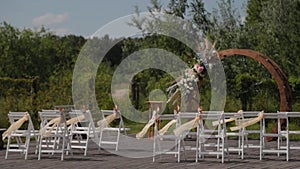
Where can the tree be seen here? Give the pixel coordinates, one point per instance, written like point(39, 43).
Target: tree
point(273, 30)
point(35, 68)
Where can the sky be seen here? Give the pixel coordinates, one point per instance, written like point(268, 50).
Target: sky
point(79, 17)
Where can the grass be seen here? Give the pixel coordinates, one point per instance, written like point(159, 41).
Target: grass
point(134, 127)
point(294, 126)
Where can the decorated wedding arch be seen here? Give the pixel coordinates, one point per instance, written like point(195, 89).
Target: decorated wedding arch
point(277, 73)
point(194, 75)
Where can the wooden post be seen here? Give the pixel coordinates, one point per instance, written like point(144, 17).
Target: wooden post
point(153, 106)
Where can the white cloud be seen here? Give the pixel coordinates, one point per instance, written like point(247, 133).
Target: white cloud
point(52, 22)
point(50, 19)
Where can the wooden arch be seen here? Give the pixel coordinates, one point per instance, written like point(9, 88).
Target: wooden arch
point(277, 73)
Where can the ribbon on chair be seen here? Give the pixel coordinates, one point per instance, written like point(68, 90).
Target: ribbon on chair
point(187, 126)
point(76, 119)
point(166, 127)
point(54, 122)
point(215, 123)
point(163, 130)
point(249, 122)
point(107, 120)
point(142, 133)
point(15, 126)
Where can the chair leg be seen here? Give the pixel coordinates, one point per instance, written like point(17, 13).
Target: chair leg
point(178, 146)
point(69, 146)
point(261, 147)
point(197, 149)
point(218, 147)
point(288, 148)
point(222, 151)
point(242, 144)
point(100, 139)
point(202, 148)
point(239, 143)
point(27, 142)
point(40, 147)
point(154, 150)
point(86, 144)
point(118, 138)
point(7, 147)
point(63, 148)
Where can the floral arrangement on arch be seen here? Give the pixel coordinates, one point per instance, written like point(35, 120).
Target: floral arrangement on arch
point(186, 84)
point(191, 77)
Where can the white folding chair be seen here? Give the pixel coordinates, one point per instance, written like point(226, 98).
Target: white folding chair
point(53, 138)
point(280, 134)
point(212, 140)
point(253, 131)
point(177, 144)
point(240, 134)
point(290, 130)
point(110, 135)
point(168, 142)
point(291, 117)
point(18, 134)
point(82, 130)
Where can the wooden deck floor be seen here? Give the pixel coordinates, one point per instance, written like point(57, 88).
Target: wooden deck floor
point(103, 159)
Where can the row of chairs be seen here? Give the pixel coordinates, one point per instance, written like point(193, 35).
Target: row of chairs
point(57, 136)
point(204, 133)
point(61, 132)
point(212, 134)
